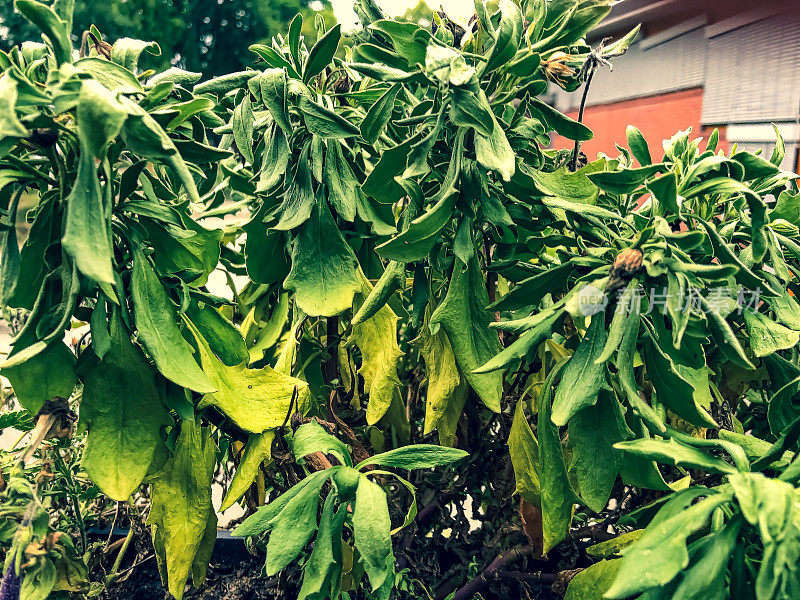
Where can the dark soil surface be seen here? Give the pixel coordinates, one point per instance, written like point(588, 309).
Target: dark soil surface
point(228, 578)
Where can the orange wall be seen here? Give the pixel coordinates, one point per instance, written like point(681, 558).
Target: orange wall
point(657, 117)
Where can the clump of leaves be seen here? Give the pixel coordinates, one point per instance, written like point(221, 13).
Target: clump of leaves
point(616, 344)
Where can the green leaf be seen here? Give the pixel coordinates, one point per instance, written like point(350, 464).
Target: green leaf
point(225, 83)
point(672, 452)
point(593, 431)
point(415, 456)
point(100, 117)
point(529, 292)
point(767, 336)
point(625, 181)
point(524, 452)
point(10, 125)
point(223, 337)
point(371, 526)
point(379, 115)
point(87, 234)
point(465, 319)
point(159, 331)
point(145, 137)
point(560, 123)
point(258, 450)
point(322, 53)
point(341, 182)
point(254, 399)
point(123, 413)
point(557, 494)
point(275, 161)
point(322, 573)
point(324, 274)
point(507, 36)
point(272, 83)
point(52, 27)
point(376, 338)
point(127, 51)
point(181, 511)
point(243, 120)
point(110, 75)
point(638, 146)
point(47, 375)
point(311, 437)
point(495, 153)
point(593, 582)
point(324, 122)
point(38, 582)
point(660, 554)
point(583, 377)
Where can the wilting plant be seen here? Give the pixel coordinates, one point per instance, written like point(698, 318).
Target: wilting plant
point(408, 262)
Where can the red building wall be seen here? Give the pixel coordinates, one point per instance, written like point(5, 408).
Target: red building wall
point(658, 117)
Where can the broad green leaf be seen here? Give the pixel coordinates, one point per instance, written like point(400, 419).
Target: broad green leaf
point(127, 51)
point(676, 453)
point(324, 122)
point(113, 77)
point(392, 280)
point(123, 413)
point(192, 257)
point(158, 330)
point(275, 161)
point(87, 234)
point(376, 338)
point(507, 36)
point(145, 137)
point(495, 153)
point(324, 275)
point(342, 183)
point(258, 450)
point(322, 53)
point(100, 117)
point(50, 374)
point(223, 337)
point(524, 451)
point(415, 456)
point(557, 494)
point(593, 582)
point(311, 437)
point(625, 181)
point(465, 319)
point(529, 292)
point(371, 526)
point(661, 553)
point(181, 508)
point(298, 200)
point(225, 83)
point(53, 28)
point(638, 146)
point(705, 579)
point(379, 114)
point(254, 399)
point(266, 517)
point(322, 572)
point(10, 125)
point(560, 123)
point(272, 83)
point(583, 377)
point(536, 330)
point(767, 336)
point(243, 121)
point(593, 431)
point(614, 547)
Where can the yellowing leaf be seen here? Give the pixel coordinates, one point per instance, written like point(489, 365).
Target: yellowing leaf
point(123, 413)
point(443, 375)
point(524, 451)
point(377, 339)
point(254, 399)
point(181, 512)
point(257, 451)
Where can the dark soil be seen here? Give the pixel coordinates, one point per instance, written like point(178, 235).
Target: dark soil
point(229, 578)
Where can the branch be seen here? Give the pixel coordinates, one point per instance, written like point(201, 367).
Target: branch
point(489, 573)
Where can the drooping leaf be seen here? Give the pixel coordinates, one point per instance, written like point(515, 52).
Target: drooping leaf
point(376, 338)
point(324, 275)
point(258, 450)
point(123, 413)
point(181, 508)
point(465, 319)
point(371, 526)
point(158, 329)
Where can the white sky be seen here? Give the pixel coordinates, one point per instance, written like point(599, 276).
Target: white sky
point(457, 9)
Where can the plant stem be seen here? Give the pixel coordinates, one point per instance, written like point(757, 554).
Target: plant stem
point(490, 572)
point(574, 166)
point(121, 553)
